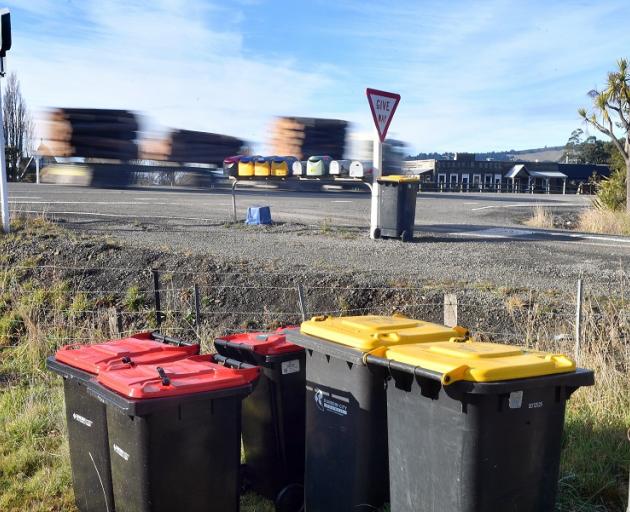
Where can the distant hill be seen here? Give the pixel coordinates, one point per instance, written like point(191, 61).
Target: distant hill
point(546, 154)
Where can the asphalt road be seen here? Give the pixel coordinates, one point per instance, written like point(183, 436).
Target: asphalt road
point(460, 236)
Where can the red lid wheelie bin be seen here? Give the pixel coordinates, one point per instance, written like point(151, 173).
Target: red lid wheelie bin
point(85, 415)
point(175, 433)
point(273, 415)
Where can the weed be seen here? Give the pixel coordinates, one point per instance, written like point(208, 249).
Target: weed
point(596, 220)
point(134, 299)
point(541, 218)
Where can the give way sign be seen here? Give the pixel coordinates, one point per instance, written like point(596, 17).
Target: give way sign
point(383, 105)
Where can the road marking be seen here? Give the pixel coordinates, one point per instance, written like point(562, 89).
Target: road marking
point(102, 203)
point(340, 201)
point(545, 236)
point(549, 205)
point(11, 198)
point(117, 215)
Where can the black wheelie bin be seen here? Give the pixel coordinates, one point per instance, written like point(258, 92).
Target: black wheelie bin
point(346, 414)
point(273, 415)
point(85, 416)
point(397, 207)
point(175, 433)
point(475, 427)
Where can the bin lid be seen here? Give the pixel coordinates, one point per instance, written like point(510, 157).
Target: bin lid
point(479, 361)
point(265, 343)
point(371, 331)
point(194, 374)
point(399, 178)
point(141, 348)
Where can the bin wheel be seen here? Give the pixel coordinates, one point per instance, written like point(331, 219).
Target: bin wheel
point(377, 233)
point(406, 236)
point(290, 499)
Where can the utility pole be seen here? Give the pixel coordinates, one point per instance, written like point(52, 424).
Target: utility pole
point(5, 45)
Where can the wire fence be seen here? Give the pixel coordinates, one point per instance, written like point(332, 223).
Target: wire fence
point(78, 304)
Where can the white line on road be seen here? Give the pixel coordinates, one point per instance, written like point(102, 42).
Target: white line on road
point(340, 201)
point(549, 205)
point(112, 203)
point(13, 198)
point(117, 215)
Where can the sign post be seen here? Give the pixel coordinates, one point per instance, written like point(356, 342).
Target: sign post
point(383, 105)
point(5, 44)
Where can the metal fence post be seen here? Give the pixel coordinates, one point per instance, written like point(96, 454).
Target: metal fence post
point(197, 305)
point(578, 319)
point(302, 301)
point(156, 295)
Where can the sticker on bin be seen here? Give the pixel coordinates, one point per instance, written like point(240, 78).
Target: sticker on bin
point(82, 419)
point(140, 348)
point(121, 452)
point(292, 366)
point(330, 402)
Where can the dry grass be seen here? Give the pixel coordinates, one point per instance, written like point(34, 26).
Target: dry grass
point(541, 218)
point(595, 220)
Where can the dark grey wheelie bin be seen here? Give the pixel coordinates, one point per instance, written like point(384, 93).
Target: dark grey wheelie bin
point(273, 415)
point(397, 207)
point(86, 417)
point(346, 413)
point(475, 427)
point(175, 433)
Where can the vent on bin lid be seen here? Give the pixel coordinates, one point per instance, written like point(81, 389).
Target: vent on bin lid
point(265, 343)
point(370, 332)
point(137, 349)
point(479, 362)
point(195, 374)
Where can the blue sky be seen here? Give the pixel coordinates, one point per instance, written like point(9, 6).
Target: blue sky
point(491, 75)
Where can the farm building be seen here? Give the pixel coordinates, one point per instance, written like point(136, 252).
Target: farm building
point(465, 173)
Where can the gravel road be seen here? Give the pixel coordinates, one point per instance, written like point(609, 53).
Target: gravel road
point(467, 238)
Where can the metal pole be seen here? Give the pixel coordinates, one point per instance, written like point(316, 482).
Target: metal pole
point(302, 301)
point(578, 319)
point(234, 200)
point(377, 170)
point(37, 170)
point(156, 296)
point(4, 192)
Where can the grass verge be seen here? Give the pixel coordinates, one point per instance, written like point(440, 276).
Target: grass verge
point(595, 220)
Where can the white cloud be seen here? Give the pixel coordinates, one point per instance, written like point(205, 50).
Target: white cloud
point(179, 61)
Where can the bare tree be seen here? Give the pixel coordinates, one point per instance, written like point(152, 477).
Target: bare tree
point(611, 112)
point(18, 127)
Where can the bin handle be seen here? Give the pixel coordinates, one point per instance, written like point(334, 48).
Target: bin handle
point(165, 380)
point(156, 335)
point(74, 346)
point(392, 364)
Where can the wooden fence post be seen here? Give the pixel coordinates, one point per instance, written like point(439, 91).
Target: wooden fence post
point(450, 309)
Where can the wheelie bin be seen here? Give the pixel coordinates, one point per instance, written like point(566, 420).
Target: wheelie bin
point(86, 417)
point(397, 207)
point(262, 166)
point(246, 166)
point(175, 433)
point(346, 416)
point(273, 415)
point(475, 426)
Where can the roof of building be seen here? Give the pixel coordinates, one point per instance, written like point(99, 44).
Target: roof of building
point(547, 174)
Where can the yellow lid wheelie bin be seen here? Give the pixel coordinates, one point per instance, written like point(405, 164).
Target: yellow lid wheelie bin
point(346, 464)
point(475, 426)
point(246, 166)
point(262, 166)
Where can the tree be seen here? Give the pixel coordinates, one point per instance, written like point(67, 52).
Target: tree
point(611, 112)
point(571, 148)
point(18, 127)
